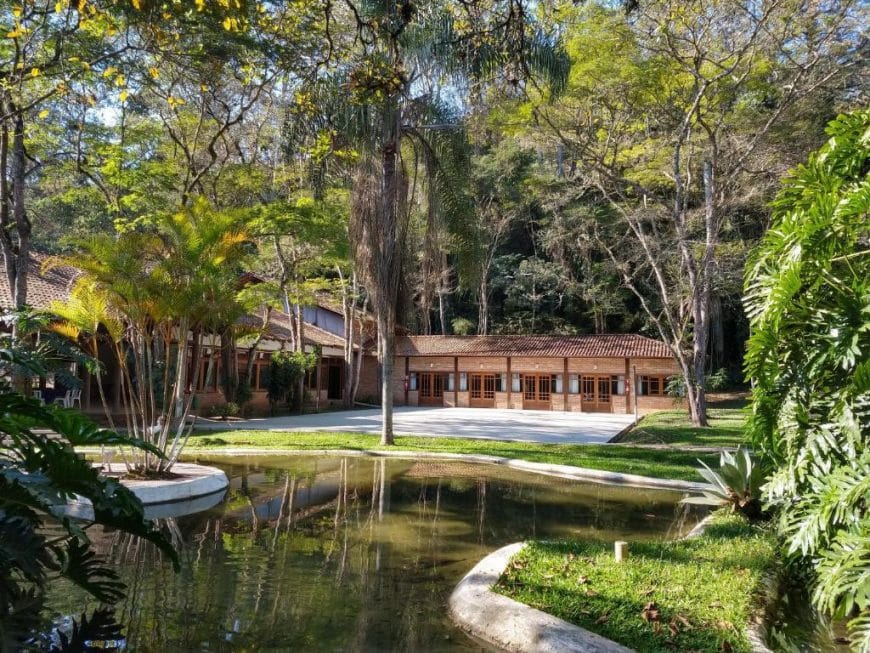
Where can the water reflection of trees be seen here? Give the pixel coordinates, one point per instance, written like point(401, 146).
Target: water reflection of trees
point(350, 554)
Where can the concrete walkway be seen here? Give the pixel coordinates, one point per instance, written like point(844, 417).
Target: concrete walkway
point(485, 423)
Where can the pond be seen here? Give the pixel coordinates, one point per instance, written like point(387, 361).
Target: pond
point(351, 554)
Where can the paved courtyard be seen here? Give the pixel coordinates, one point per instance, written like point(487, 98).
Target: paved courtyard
point(486, 423)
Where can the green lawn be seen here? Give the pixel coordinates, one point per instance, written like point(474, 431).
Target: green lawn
point(674, 428)
point(685, 595)
point(658, 463)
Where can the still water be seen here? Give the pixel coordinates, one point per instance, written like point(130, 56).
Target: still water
point(351, 554)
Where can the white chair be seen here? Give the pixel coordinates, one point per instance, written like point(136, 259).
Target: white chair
point(37, 394)
point(69, 399)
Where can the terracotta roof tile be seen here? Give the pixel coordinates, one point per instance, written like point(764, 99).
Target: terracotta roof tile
point(617, 345)
point(42, 289)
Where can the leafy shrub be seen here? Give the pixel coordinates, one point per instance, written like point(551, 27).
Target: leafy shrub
point(38, 475)
point(717, 380)
point(286, 369)
point(808, 302)
point(737, 484)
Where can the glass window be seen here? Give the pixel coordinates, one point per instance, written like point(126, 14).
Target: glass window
point(558, 384)
point(412, 383)
point(573, 384)
point(515, 382)
point(617, 385)
point(463, 382)
point(450, 381)
point(652, 385)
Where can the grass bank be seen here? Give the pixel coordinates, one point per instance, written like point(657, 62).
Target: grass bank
point(672, 427)
point(673, 464)
point(686, 595)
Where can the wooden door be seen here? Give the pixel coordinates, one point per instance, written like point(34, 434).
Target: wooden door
point(595, 394)
point(482, 390)
point(431, 388)
point(537, 391)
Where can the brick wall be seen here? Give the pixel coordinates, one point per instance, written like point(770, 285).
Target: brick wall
point(482, 364)
point(368, 379)
point(647, 404)
point(427, 363)
point(596, 366)
point(533, 364)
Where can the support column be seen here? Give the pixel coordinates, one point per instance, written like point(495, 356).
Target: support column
point(510, 381)
point(406, 382)
point(565, 385)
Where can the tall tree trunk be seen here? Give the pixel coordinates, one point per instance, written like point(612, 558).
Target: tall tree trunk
point(386, 336)
point(482, 305)
point(15, 227)
point(229, 371)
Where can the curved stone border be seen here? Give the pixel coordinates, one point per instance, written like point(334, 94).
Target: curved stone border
point(516, 627)
point(193, 481)
point(547, 469)
point(511, 625)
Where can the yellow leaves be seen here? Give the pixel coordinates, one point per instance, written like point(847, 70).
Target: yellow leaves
point(58, 7)
point(43, 114)
point(34, 72)
point(137, 4)
point(231, 24)
point(200, 5)
point(16, 11)
point(65, 329)
point(154, 72)
point(123, 95)
point(81, 6)
point(108, 72)
point(120, 80)
point(175, 101)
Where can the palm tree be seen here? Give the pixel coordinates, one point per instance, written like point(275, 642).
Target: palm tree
point(388, 120)
point(156, 296)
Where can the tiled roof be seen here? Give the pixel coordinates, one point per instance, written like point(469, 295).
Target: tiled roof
point(617, 345)
point(279, 327)
point(42, 288)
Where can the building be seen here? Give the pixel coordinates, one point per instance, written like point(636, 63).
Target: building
point(323, 331)
point(614, 373)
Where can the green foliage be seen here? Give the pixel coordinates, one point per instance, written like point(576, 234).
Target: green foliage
point(138, 290)
point(286, 369)
point(737, 484)
point(808, 299)
point(39, 474)
point(462, 326)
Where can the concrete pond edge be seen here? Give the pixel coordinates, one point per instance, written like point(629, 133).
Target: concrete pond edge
point(193, 481)
point(511, 625)
point(548, 469)
point(516, 627)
